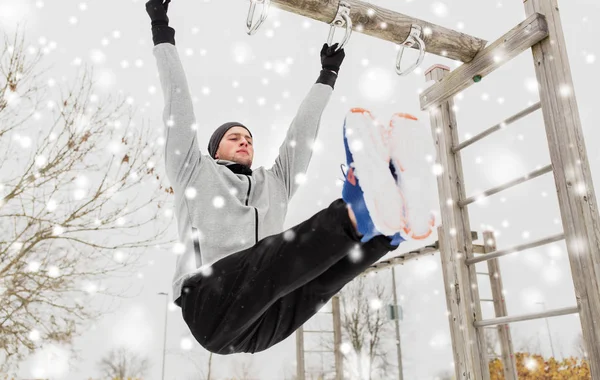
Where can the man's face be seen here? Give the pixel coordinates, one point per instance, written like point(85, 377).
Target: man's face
point(236, 146)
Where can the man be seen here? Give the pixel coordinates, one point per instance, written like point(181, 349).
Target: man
point(243, 284)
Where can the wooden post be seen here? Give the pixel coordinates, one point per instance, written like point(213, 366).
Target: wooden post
point(337, 338)
point(390, 26)
point(300, 374)
point(576, 196)
point(508, 356)
point(462, 294)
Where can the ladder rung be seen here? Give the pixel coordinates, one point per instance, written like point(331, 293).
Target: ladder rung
point(527, 177)
point(504, 252)
point(486, 300)
point(483, 273)
point(318, 331)
point(497, 127)
point(319, 351)
point(527, 317)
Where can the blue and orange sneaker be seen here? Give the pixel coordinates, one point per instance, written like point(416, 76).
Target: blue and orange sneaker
point(412, 147)
point(370, 186)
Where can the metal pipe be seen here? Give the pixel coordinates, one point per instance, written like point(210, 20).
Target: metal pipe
point(515, 182)
point(526, 317)
point(518, 248)
point(165, 333)
point(497, 127)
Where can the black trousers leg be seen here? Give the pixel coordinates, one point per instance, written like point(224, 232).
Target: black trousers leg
point(257, 297)
point(290, 312)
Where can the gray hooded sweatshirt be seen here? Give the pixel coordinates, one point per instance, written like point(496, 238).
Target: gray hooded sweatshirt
point(218, 211)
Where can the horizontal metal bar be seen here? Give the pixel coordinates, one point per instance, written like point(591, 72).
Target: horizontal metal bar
point(486, 300)
point(515, 182)
point(497, 127)
point(318, 331)
point(527, 317)
point(416, 254)
point(483, 273)
point(517, 248)
point(319, 351)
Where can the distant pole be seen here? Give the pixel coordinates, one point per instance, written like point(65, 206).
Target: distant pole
point(165, 332)
point(548, 328)
point(398, 347)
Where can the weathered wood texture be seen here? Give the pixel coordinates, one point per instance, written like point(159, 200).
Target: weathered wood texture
point(389, 25)
point(456, 245)
point(513, 43)
point(300, 374)
point(576, 196)
point(508, 357)
point(337, 338)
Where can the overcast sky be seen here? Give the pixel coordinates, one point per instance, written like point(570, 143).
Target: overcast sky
point(260, 81)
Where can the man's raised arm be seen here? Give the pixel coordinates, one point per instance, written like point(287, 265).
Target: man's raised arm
point(296, 151)
point(182, 153)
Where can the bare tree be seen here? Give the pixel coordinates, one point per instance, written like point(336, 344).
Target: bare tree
point(203, 366)
point(444, 375)
point(492, 342)
point(122, 364)
point(78, 184)
point(580, 347)
point(244, 369)
point(364, 323)
point(529, 345)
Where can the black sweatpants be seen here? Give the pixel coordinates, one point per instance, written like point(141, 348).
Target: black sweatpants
point(256, 298)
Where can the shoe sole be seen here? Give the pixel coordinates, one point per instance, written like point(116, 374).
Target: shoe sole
point(367, 142)
point(414, 185)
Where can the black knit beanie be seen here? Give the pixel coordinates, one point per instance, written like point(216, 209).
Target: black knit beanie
point(217, 136)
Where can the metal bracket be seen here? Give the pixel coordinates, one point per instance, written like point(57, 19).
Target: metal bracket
point(263, 16)
point(414, 37)
point(342, 18)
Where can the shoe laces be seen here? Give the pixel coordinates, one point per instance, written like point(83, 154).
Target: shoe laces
point(344, 169)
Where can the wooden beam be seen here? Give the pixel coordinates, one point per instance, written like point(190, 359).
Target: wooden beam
point(456, 246)
point(504, 335)
point(389, 25)
point(513, 43)
point(573, 178)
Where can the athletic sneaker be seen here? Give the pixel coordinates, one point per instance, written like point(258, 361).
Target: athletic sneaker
point(411, 149)
point(375, 200)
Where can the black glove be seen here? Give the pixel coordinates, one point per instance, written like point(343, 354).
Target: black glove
point(157, 10)
point(331, 59)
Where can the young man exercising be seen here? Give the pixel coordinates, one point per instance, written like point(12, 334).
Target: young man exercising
point(242, 282)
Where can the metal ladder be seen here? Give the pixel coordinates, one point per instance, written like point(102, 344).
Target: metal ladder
point(542, 32)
